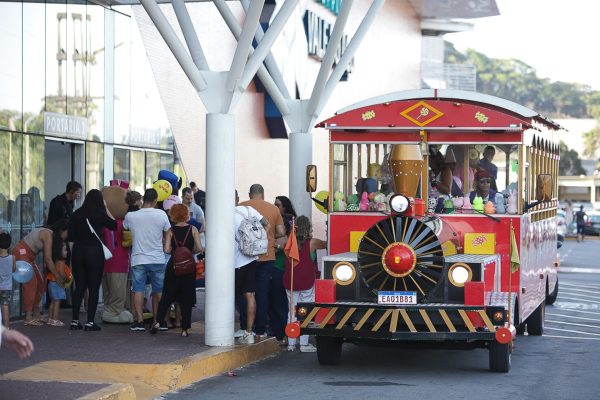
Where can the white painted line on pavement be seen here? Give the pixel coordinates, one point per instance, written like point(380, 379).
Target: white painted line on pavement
point(579, 270)
point(576, 299)
point(569, 290)
point(572, 316)
point(579, 311)
point(573, 324)
point(572, 331)
point(575, 285)
point(570, 337)
point(582, 297)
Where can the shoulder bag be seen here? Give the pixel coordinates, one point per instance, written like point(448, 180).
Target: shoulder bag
point(107, 254)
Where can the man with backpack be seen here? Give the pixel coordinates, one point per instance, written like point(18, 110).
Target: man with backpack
point(245, 256)
point(266, 262)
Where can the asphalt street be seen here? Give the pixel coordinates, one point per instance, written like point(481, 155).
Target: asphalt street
point(563, 364)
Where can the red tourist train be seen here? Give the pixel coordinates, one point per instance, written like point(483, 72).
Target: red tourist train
point(441, 225)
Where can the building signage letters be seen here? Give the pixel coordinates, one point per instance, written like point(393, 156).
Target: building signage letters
point(333, 5)
point(65, 125)
point(318, 32)
point(145, 137)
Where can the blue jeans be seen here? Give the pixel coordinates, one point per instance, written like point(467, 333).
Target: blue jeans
point(278, 305)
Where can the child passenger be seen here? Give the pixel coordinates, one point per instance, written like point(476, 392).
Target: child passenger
point(7, 266)
point(56, 291)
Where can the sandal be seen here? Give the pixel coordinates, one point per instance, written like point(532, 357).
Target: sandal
point(184, 333)
point(33, 322)
point(55, 322)
point(154, 328)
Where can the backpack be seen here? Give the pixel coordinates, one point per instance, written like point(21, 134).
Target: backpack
point(183, 259)
point(251, 235)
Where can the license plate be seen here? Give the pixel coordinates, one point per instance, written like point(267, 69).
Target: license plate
point(397, 298)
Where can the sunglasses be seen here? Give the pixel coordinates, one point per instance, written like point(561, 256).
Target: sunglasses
point(484, 180)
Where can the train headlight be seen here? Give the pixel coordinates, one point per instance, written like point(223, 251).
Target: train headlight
point(344, 273)
point(399, 203)
point(460, 273)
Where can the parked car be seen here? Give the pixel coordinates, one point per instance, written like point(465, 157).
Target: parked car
point(592, 224)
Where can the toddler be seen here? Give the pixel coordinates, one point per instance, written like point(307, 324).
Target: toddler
point(56, 291)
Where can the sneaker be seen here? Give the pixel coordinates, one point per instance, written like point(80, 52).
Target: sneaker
point(247, 338)
point(239, 333)
point(291, 348)
point(55, 322)
point(75, 325)
point(308, 348)
point(163, 326)
point(137, 326)
point(91, 326)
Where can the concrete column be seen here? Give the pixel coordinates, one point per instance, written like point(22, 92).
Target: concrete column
point(220, 203)
point(300, 157)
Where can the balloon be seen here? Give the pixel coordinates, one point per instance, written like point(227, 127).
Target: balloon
point(320, 201)
point(163, 188)
point(23, 272)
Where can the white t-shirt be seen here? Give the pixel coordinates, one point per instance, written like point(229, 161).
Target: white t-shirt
point(240, 258)
point(6, 265)
point(147, 226)
point(196, 213)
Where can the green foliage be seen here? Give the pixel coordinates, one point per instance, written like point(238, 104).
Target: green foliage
point(569, 164)
point(517, 81)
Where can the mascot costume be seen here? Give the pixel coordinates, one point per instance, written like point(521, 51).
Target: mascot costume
point(116, 270)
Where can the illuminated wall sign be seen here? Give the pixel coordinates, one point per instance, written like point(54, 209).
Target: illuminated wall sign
point(333, 5)
point(318, 31)
point(65, 125)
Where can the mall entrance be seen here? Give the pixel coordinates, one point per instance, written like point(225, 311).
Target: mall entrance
point(64, 162)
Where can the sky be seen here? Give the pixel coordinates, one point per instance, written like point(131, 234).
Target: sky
point(559, 38)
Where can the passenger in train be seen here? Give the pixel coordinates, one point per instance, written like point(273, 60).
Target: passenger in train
point(483, 180)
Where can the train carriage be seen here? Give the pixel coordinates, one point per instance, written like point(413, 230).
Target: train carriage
point(409, 263)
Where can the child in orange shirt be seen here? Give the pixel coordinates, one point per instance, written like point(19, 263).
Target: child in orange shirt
point(56, 291)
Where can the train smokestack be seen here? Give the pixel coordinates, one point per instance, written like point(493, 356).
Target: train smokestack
point(406, 163)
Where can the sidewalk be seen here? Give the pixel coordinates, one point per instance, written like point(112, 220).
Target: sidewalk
point(117, 363)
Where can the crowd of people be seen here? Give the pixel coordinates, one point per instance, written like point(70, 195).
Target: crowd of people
point(151, 234)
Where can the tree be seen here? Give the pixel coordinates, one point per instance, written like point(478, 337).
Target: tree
point(570, 163)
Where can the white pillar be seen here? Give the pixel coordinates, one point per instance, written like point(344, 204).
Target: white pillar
point(220, 203)
point(300, 157)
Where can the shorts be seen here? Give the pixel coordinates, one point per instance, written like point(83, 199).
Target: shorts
point(56, 292)
point(245, 278)
point(5, 297)
point(140, 273)
point(580, 228)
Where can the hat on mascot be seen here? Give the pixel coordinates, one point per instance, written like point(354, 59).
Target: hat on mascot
point(173, 179)
point(170, 202)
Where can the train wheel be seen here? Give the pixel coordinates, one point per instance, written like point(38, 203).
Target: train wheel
point(535, 322)
point(551, 298)
point(401, 253)
point(499, 357)
point(329, 350)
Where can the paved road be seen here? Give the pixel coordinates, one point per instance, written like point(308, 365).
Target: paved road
point(563, 364)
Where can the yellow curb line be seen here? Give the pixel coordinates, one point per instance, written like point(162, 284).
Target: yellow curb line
point(147, 380)
point(116, 391)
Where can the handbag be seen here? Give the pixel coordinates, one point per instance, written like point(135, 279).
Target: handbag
point(107, 254)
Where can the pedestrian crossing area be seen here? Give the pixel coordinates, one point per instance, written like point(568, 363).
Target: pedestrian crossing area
point(576, 312)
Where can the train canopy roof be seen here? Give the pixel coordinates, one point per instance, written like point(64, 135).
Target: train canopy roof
point(437, 109)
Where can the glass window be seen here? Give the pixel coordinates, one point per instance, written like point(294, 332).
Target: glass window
point(11, 78)
point(94, 165)
point(57, 58)
point(34, 171)
point(123, 76)
point(137, 177)
point(94, 71)
point(34, 69)
point(152, 167)
point(76, 47)
point(121, 164)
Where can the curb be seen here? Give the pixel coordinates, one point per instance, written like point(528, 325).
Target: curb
point(147, 381)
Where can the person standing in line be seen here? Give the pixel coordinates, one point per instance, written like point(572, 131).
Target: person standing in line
point(148, 226)
point(178, 288)
point(266, 262)
point(38, 240)
point(7, 266)
point(61, 207)
point(245, 276)
point(305, 274)
point(580, 220)
point(199, 195)
point(278, 302)
point(196, 213)
point(88, 256)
